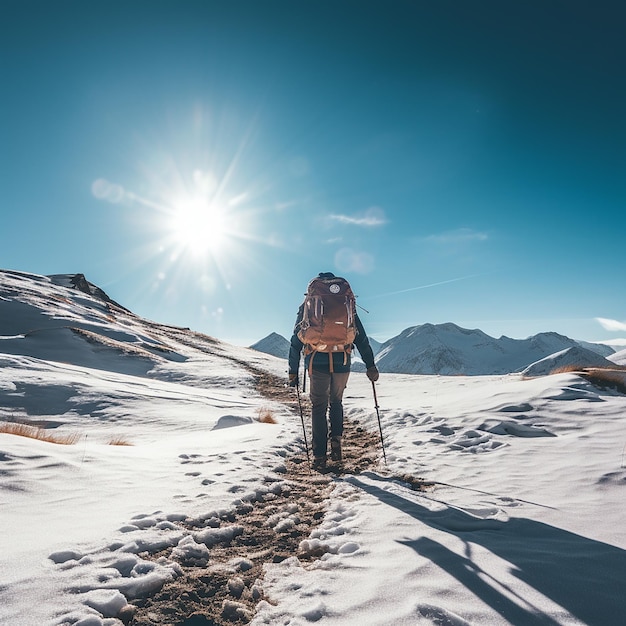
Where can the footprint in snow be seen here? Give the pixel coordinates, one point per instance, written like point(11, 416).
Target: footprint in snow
point(515, 429)
point(516, 408)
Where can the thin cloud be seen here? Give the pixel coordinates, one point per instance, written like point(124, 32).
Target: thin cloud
point(290, 204)
point(612, 325)
point(458, 236)
point(372, 218)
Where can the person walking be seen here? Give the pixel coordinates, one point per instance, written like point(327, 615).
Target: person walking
point(326, 329)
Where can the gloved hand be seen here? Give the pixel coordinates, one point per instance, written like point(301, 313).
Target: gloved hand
point(293, 380)
point(372, 373)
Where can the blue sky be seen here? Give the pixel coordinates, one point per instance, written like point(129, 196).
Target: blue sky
point(201, 161)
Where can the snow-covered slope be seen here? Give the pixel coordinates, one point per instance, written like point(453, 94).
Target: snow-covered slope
point(599, 348)
point(576, 356)
point(52, 318)
point(619, 358)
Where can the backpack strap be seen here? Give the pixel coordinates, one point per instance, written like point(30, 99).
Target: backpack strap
point(331, 361)
point(312, 353)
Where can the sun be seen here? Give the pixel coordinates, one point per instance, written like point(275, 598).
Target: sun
point(199, 225)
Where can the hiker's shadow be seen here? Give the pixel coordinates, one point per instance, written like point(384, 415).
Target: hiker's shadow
point(585, 577)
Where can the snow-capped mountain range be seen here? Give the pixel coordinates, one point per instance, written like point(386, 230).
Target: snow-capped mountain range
point(444, 349)
point(448, 349)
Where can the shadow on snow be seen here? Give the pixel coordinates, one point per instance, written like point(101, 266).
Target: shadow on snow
point(583, 576)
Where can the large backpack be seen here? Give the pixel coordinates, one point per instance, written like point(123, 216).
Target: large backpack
point(328, 317)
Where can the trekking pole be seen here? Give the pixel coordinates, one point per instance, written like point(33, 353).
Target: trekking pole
point(306, 444)
point(380, 428)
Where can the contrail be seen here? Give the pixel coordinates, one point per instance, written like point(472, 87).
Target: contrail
point(443, 282)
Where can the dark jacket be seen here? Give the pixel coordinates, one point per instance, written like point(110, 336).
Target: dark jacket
point(341, 360)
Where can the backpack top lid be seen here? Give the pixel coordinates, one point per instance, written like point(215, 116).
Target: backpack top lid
point(326, 283)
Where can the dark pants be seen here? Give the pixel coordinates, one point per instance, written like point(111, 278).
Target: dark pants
point(326, 391)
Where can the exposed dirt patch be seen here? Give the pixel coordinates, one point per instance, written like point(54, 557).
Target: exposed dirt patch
point(227, 589)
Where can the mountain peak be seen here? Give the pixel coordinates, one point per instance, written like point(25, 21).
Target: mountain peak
point(574, 355)
point(80, 283)
point(273, 344)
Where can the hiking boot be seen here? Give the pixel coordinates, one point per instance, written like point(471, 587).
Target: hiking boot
point(319, 463)
point(335, 449)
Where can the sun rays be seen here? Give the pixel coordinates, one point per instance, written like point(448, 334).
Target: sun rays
point(192, 219)
point(202, 212)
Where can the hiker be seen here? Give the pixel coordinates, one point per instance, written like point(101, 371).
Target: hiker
point(327, 327)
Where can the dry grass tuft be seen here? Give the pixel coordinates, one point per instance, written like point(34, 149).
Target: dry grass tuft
point(604, 378)
point(34, 432)
point(266, 416)
point(119, 441)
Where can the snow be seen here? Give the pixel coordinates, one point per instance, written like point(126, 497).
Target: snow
point(574, 356)
point(523, 523)
point(619, 358)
